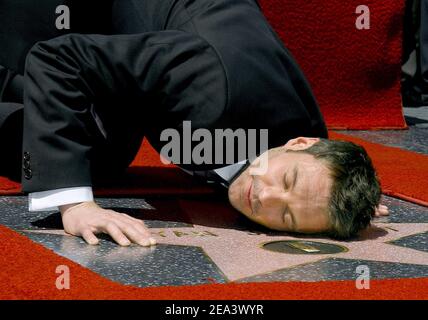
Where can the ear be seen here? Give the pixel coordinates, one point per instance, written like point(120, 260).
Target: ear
point(300, 143)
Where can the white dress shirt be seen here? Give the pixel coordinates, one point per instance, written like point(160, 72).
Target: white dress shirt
point(52, 199)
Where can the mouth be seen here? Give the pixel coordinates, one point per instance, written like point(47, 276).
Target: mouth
point(249, 196)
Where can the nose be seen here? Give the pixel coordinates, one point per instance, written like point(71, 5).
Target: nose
point(270, 196)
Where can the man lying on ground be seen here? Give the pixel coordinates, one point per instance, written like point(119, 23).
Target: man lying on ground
point(218, 65)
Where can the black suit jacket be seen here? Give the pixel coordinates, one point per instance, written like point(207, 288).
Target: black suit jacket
point(22, 24)
point(217, 63)
point(25, 22)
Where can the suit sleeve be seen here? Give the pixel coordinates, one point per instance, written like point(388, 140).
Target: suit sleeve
point(11, 86)
point(69, 79)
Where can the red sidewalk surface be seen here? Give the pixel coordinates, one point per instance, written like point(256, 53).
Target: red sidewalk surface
point(355, 74)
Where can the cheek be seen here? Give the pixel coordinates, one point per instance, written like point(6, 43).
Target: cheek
point(235, 190)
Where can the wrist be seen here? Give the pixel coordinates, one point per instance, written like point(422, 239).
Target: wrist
point(70, 207)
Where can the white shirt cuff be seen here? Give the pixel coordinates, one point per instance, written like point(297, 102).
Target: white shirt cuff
point(52, 199)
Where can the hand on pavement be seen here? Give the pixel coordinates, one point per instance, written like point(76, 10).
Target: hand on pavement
point(381, 210)
point(88, 219)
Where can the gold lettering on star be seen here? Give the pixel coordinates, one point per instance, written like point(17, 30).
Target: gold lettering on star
point(179, 234)
point(204, 233)
point(162, 234)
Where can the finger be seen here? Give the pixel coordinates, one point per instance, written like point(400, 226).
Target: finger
point(381, 211)
point(127, 218)
point(113, 230)
point(153, 241)
point(140, 227)
point(134, 235)
point(90, 237)
point(384, 212)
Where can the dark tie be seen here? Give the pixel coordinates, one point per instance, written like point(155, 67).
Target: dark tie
point(210, 176)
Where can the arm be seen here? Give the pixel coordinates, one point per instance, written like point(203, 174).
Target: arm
point(148, 75)
point(81, 216)
point(64, 80)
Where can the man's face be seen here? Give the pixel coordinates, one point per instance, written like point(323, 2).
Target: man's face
point(293, 194)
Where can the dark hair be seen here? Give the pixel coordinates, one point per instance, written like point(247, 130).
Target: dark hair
point(355, 191)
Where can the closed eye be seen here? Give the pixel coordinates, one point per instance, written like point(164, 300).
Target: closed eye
point(284, 215)
point(290, 187)
point(288, 219)
point(285, 212)
point(285, 182)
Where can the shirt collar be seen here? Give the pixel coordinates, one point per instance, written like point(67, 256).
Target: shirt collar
point(228, 172)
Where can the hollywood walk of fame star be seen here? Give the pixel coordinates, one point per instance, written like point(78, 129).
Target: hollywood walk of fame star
point(239, 254)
